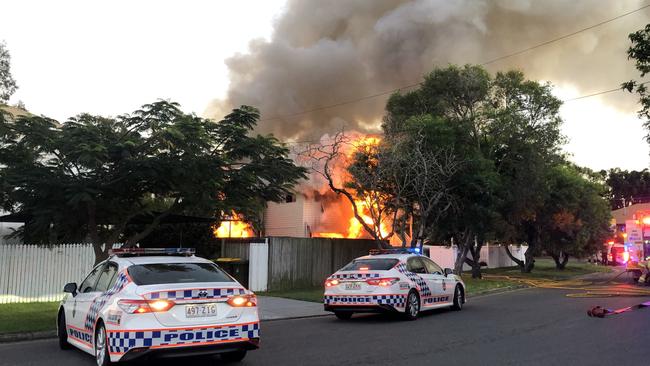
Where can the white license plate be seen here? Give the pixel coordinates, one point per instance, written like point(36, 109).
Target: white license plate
point(200, 310)
point(353, 286)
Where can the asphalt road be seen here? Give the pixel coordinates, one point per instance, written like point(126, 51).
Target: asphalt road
point(526, 327)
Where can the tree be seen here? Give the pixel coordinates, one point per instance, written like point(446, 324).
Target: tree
point(575, 216)
point(91, 176)
point(7, 83)
point(506, 129)
point(626, 187)
point(412, 176)
point(331, 161)
point(639, 51)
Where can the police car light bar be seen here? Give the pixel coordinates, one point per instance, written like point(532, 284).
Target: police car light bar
point(395, 251)
point(123, 252)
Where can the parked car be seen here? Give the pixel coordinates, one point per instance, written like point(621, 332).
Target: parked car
point(394, 281)
point(143, 303)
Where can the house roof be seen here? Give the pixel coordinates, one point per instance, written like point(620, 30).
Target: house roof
point(627, 213)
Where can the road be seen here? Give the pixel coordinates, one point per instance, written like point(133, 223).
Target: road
point(525, 327)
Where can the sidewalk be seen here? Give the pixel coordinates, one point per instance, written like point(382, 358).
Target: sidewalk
point(275, 308)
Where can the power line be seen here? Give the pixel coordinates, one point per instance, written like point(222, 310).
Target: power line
point(563, 101)
point(565, 36)
point(598, 93)
point(352, 101)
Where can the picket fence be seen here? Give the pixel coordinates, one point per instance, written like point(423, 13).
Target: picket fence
point(31, 273)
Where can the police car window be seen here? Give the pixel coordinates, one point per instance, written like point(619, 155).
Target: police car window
point(106, 278)
point(431, 266)
point(379, 264)
point(161, 273)
point(88, 284)
point(415, 265)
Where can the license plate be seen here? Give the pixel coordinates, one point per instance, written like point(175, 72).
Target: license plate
point(200, 310)
point(353, 286)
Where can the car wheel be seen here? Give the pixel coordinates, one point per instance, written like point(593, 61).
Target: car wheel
point(412, 309)
point(235, 356)
point(343, 315)
point(62, 331)
point(459, 298)
point(101, 346)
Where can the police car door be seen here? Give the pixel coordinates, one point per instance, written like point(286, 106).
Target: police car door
point(85, 296)
point(447, 284)
point(432, 286)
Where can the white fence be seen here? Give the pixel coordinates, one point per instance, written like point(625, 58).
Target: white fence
point(30, 273)
point(494, 256)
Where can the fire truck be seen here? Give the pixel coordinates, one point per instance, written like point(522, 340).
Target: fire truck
point(634, 253)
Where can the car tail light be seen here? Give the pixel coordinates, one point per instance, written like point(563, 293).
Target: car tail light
point(384, 282)
point(332, 283)
point(242, 301)
point(145, 306)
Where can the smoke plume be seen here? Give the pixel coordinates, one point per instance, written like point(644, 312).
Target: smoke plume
point(326, 52)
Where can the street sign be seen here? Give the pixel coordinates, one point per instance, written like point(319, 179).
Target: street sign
point(634, 233)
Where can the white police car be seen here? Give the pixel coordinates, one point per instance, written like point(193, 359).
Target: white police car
point(392, 281)
point(158, 302)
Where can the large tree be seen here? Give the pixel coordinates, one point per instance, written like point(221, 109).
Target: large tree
point(89, 177)
point(506, 129)
point(7, 83)
point(575, 215)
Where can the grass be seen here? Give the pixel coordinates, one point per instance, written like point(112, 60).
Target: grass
point(28, 317)
point(544, 269)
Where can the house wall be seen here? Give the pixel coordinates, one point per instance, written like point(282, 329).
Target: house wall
point(295, 219)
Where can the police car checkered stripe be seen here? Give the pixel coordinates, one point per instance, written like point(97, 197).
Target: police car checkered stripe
point(122, 341)
point(392, 300)
point(420, 283)
point(195, 294)
point(100, 301)
point(354, 276)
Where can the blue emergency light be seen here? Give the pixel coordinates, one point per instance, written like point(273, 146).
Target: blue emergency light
point(395, 251)
point(126, 252)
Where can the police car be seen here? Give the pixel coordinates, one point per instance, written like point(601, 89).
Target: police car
point(392, 281)
point(142, 303)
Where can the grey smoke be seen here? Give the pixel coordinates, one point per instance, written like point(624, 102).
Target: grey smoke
point(325, 52)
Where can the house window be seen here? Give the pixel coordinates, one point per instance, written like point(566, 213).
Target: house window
point(290, 198)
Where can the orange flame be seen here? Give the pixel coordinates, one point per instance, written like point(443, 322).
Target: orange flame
point(234, 228)
point(355, 228)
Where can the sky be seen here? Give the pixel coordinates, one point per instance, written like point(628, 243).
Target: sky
point(109, 58)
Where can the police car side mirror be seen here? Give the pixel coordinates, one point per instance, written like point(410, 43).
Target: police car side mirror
point(70, 288)
point(448, 271)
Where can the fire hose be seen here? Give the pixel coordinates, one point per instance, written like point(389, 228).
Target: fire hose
point(588, 289)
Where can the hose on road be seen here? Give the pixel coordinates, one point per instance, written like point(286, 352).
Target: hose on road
point(587, 288)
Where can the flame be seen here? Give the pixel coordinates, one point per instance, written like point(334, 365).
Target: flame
point(354, 227)
point(328, 235)
point(234, 228)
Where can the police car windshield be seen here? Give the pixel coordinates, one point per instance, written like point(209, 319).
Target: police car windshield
point(379, 264)
point(162, 273)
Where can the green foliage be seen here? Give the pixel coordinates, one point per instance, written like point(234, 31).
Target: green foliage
point(626, 186)
point(505, 130)
point(90, 176)
point(575, 217)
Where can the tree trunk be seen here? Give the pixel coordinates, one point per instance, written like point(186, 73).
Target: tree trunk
point(475, 249)
point(530, 261)
point(518, 261)
point(461, 256)
point(560, 259)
